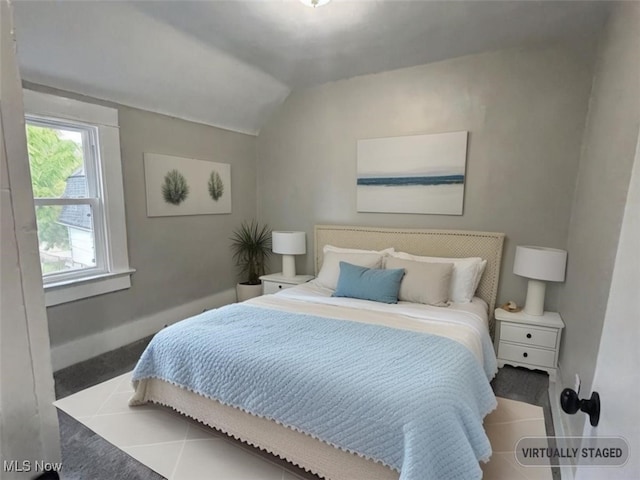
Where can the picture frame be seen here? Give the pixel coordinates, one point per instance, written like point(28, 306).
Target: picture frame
point(422, 174)
point(186, 186)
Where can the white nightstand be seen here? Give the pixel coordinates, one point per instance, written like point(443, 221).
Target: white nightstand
point(528, 341)
point(275, 282)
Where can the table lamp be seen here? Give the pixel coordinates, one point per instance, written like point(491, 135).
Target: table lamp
point(289, 244)
point(539, 265)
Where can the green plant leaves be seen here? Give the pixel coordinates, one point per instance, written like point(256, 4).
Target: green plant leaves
point(251, 246)
point(175, 189)
point(52, 160)
point(216, 186)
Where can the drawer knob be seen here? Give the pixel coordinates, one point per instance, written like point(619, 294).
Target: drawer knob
point(279, 286)
point(525, 354)
point(528, 335)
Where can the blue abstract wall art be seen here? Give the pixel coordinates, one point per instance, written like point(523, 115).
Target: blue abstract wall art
point(422, 174)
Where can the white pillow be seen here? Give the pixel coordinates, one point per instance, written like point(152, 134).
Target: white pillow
point(465, 278)
point(330, 271)
point(331, 248)
point(481, 267)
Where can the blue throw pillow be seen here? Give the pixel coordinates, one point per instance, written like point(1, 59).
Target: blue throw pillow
point(375, 284)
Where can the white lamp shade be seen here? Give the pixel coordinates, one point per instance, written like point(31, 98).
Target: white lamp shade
point(540, 263)
point(289, 243)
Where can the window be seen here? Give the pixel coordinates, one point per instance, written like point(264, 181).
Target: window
point(67, 195)
point(74, 158)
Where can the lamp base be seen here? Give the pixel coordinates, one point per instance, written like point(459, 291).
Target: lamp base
point(535, 298)
point(288, 266)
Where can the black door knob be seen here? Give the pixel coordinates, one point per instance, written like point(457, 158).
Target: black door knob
point(528, 335)
point(570, 403)
point(525, 354)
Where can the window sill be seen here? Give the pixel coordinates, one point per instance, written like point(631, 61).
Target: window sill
point(69, 291)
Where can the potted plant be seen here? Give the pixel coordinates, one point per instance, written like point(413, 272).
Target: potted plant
point(251, 246)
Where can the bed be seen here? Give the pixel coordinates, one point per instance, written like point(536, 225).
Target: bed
point(347, 449)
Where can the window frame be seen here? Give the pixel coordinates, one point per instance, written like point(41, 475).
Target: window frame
point(95, 196)
point(115, 272)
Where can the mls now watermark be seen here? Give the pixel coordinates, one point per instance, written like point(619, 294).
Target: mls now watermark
point(17, 466)
point(581, 451)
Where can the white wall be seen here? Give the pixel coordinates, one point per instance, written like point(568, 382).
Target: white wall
point(617, 377)
point(178, 260)
point(28, 421)
point(525, 111)
point(83, 250)
point(608, 151)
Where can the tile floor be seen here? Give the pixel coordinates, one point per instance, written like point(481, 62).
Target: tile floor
point(511, 421)
point(178, 448)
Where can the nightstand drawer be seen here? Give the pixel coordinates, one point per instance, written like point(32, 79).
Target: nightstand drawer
point(537, 336)
point(523, 354)
point(276, 282)
point(274, 287)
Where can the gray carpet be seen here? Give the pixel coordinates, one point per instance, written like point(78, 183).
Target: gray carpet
point(87, 456)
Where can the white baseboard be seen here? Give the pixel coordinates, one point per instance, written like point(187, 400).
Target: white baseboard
point(88, 347)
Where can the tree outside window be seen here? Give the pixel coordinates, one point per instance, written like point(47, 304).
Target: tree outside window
point(57, 163)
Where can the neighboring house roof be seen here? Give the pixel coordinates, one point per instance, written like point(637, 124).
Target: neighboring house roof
point(77, 216)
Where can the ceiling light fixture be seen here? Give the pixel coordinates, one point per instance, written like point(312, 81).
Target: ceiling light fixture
point(315, 3)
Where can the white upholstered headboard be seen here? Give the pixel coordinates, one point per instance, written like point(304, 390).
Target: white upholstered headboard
point(436, 243)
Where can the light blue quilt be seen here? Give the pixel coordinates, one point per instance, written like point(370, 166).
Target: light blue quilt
point(413, 401)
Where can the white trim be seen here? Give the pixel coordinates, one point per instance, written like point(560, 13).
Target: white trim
point(110, 230)
point(113, 195)
point(45, 104)
point(44, 202)
point(77, 288)
point(29, 422)
point(88, 347)
point(560, 427)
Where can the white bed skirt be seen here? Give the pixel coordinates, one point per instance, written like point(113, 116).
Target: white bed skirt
point(297, 448)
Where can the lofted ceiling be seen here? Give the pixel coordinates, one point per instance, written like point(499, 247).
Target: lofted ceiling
point(232, 63)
